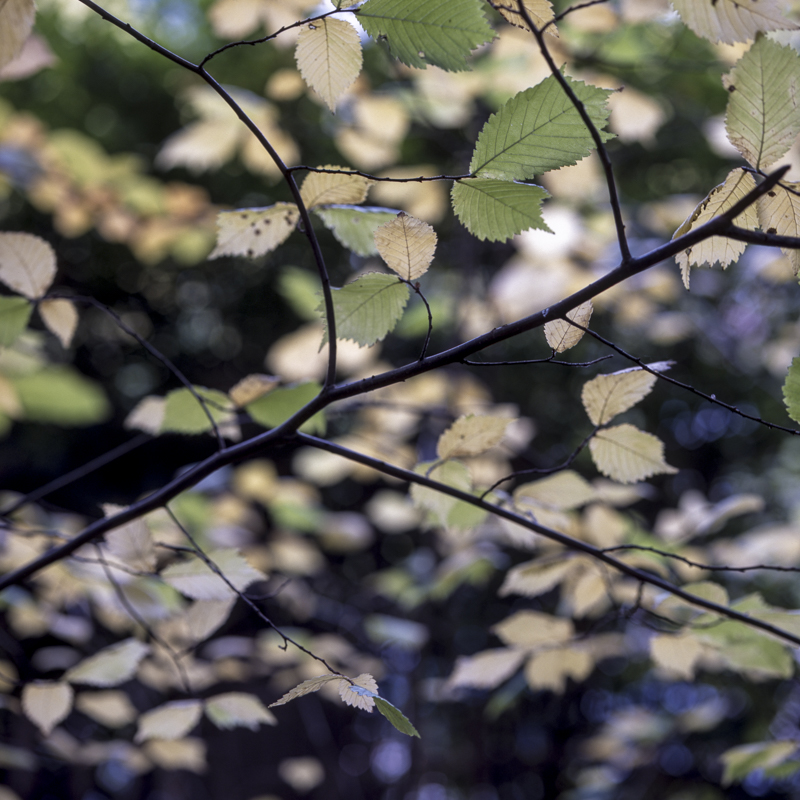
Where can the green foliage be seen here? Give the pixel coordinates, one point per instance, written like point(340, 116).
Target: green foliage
point(355, 226)
point(15, 312)
point(60, 395)
point(277, 406)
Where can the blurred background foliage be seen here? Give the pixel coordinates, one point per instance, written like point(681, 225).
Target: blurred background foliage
point(87, 161)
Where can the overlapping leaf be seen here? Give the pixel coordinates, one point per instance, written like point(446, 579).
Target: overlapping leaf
point(732, 21)
point(407, 245)
point(183, 412)
point(368, 308)
point(196, 579)
point(252, 232)
point(626, 454)
point(61, 318)
point(16, 23)
point(360, 693)
point(561, 335)
point(496, 210)
point(471, 435)
point(762, 119)
point(422, 32)
point(396, 717)
point(608, 395)
point(324, 188)
point(779, 212)
point(354, 226)
point(539, 130)
point(740, 761)
point(540, 12)
point(306, 687)
point(277, 406)
point(718, 248)
point(329, 58)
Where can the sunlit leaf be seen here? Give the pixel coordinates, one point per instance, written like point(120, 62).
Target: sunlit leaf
point(791, 390)
point(361, 693)
point(170, 721)
point(238, 710)
point(111, 708)
point(60, 395)
point(537, 577)
point(253, 232)
point(677, 654)
point(540, 12)
point(407, 245)
point(779, 212)
point(423, 32)
point(46, 703)
point(251, 387)
point(396, 717)
point(539, 130)
point(486, 669)
point(325, 188)
point(368, 308)
point(16, 23)
point(272, 409)
point(328, 56)
point(188, 753)
point(762, 118)
point(27, 262)
point(496, 210)
point(111, 666)
point(732, 21)
point(198, 580)
point(354, 226)
point(532, 628)
point(183, 412)
point(306, 687)
point(303, 774)
point(718, 248)
point(626, 454)
point(549, 669)
point(561, 335)
point(15, 312)
point(206, 616)
point(147, 415)
point(742, 760)
point(61, 318)
point(563, 491)
point(606, 396)
point(471, 436)
point(131, 544)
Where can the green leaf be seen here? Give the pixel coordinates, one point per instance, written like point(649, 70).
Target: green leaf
point(277, 406)
point(300, 289)
point(354, 226)
point(422, 32)
point(762, 119)
point(14, 315)
point(184, 414)
point(368, 308)
point(538, 130)
point(396, 717)
point(742, 760)
point(497, 210)
point(791, 390)
point(60, 395)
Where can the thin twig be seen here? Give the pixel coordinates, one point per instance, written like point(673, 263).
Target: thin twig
point(551, 360)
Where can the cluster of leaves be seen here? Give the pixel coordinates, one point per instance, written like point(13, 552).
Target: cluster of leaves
point(161, 578)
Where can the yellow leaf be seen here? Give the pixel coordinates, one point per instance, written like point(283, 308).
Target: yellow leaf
point(471, 436)
point(61, 318)
point(718, 248)
point(111, 708)
point(561, 335)
point(130, 545)
point(732, 21)
point(531, 628)
point(328, 56)
point(540, 12)
point(306, 687)
point(201, 146)
point(302, 774)
point(537, 577)
point(16, 22)
point(487, 669)
point(563, 491)
point(238, 709)
point(197, 580)
point(677, 654)
point(253, 232)
point(407, 245)
point(550, 669)
point(606, 396)
point(251, 387)
point(352, 693)
point(147, 415)
point(188, 754)
point(779, 212)
point(588, 592)
point(27, 264)
point(626, 454)
point(326, 188)
point(111, 666)
point(170, 721)
point(46, 703)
